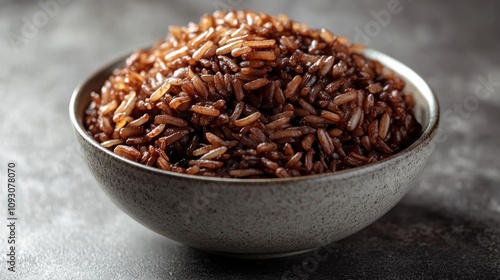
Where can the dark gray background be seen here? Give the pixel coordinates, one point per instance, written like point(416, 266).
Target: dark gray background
point(448, 226)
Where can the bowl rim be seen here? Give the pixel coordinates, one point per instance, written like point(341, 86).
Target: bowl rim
point(396, 66)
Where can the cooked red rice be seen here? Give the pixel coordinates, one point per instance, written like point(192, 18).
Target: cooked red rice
point(245, 94)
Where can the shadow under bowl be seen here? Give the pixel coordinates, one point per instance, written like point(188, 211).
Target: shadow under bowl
point(258, 218)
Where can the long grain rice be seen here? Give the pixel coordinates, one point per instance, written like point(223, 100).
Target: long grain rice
point(247, 95)
point(167, 119)
point(247, 120)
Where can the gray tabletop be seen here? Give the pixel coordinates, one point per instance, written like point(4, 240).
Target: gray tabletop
point(447, 227)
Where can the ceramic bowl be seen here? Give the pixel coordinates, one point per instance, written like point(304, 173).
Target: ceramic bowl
point(258, 218)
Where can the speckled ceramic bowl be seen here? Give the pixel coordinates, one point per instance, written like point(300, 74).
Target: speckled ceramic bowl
point(259, 218)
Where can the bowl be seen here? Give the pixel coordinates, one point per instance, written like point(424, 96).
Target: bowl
point(259, 218)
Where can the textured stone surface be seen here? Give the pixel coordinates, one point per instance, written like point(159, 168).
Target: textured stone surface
point(448, 226)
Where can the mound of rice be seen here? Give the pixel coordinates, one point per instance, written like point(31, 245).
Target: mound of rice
point(246, 94)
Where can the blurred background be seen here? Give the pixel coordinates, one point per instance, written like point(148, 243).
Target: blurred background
point(448, 226)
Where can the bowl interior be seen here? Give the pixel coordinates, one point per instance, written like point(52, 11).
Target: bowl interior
point(426, 109)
